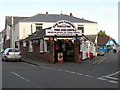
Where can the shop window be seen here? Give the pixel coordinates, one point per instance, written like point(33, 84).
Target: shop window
point(16, 44)
point(81, 27)
point(30, 46)
point(39, 26)
point(24, 44)
point(41, 45)
point(47, 46)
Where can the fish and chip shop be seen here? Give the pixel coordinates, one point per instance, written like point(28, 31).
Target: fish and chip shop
point(62, 42)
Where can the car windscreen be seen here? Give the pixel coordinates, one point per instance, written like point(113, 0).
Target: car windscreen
point(13, 50)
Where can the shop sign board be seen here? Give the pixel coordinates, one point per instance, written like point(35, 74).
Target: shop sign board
point(63, 28)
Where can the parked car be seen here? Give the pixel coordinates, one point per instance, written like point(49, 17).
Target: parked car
point(100, 52)
point(11, 54)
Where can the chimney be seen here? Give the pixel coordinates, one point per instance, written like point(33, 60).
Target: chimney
point(46, 12)
point(71, 14)
point(82, 18)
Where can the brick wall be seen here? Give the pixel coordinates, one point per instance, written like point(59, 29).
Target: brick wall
point(46, 56)
point(35, 54)
point(7, 44)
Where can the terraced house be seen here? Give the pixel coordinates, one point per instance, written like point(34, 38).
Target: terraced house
point(1, 40)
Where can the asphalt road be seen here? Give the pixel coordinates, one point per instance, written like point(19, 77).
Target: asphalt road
point(99, 73)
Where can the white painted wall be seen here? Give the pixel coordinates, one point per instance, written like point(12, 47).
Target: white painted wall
point(89, 28)
point(8, 32)
point(15, 35)
point(23, 29)
point(1, 42)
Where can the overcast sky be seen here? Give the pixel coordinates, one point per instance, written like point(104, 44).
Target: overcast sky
point(105, 12)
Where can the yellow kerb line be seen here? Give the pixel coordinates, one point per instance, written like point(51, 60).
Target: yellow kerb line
point(102, 60)
point(98, 60)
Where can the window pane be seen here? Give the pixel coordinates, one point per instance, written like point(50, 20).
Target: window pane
point(81, 28)
point(48, 46)
point(13, 50)
point(38, 28)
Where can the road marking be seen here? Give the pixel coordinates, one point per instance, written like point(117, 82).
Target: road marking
point(79, 73)
point(89, 76)
point(59, 69)
point(113, 73)
point(112, 81)
point(66, 71)
point(100, 78)
point(20, 76)
point(29, 64)
point(99, 60)
point(102, 60)
point(73, 72)
point(111, 78)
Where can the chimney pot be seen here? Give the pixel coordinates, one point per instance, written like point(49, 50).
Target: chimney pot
point(71, 14)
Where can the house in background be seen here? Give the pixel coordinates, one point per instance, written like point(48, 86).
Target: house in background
point(10, 22)
point(106, 43)
point(1, 40)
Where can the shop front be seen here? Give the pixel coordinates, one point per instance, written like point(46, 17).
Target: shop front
point(60, 43)
point(64, 42)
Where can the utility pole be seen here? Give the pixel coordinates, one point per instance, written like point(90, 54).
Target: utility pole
point(11, 30)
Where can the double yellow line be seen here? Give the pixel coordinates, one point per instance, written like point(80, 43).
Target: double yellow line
point(99, 61)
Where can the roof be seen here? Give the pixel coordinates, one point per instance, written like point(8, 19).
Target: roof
point(91, 37)
point(36, 35)
point(102, 40)
point(55, 18)
point(15, 20)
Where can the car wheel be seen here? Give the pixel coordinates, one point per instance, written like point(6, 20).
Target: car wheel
point(20, 60)
point(6, 60)
point(2, 59)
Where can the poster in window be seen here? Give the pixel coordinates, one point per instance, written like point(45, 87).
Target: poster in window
point(41, 46)
point(24, 44)
point(30, 46)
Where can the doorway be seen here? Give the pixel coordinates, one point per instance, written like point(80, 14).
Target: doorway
point(67, 48)
point(69, 51)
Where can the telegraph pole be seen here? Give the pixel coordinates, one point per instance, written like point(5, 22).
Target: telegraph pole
point(11, 29)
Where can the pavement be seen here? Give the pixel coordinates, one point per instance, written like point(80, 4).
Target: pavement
point(39, 62)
